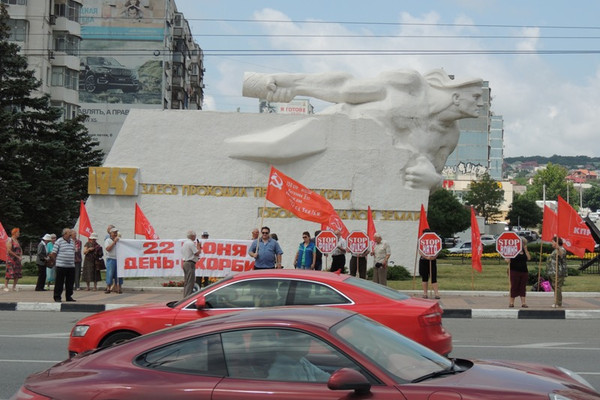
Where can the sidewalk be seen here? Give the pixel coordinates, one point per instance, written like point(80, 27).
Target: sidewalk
point(456, 304)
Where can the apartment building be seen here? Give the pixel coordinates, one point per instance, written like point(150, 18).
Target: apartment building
point(105, 57)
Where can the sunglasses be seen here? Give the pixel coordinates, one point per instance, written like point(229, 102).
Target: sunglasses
point(265, 233)
point(304, 237)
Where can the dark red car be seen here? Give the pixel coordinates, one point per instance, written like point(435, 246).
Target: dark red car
point(419, 319)
point(292, 353)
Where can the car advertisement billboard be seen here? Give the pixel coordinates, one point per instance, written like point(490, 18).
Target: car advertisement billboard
point(121, 62)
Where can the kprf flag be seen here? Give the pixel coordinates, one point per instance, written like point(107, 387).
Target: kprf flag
point(143, 226)
point(85, 226)
point(572, 228)
point(3, 240)
point(302, 202)
point(476, 247)
point(423, 224)
point(549, 230)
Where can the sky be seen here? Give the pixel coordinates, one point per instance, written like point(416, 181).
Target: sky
point(540, 57)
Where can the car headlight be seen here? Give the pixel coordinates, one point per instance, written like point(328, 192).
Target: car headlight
point(575, 376)
point(80, 330)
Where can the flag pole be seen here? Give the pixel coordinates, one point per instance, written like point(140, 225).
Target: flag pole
point(415, 268)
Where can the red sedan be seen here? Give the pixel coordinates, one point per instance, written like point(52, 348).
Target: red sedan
point(419, 319)
point(292, 353)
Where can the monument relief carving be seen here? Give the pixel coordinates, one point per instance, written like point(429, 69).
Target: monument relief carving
point(419, 112)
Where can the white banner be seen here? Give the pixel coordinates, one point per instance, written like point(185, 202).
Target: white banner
point(156, 258)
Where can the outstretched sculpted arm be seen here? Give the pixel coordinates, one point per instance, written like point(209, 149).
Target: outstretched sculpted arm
point(335, 87)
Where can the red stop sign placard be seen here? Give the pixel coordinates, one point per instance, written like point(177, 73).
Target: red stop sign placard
point(509, 244)
point(430, 244)
point(326, 241)
point(357, 242)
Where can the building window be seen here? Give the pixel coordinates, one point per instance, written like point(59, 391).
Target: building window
point(66, 43)
point(68, 9)
point(69, 110)
point(15, 2)
point(65, 77)
point(18, 30)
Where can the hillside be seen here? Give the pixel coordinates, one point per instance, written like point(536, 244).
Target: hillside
point(570, 162)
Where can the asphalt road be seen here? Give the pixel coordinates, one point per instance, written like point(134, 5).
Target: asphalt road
point(32, 341)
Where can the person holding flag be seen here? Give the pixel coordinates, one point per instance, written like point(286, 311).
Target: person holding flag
point(266, 251)
point(557, 267)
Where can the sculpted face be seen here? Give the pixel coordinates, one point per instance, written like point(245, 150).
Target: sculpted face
point(469, 100)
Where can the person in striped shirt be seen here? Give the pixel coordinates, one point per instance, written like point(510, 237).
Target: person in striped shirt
point(64, 254)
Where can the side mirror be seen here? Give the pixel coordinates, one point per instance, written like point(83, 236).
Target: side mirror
point(349, 379)
point(200, 303)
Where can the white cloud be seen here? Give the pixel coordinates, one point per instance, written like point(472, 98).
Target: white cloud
point(544, 113)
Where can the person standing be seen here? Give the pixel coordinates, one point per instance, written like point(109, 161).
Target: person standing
point(266, 251)
point(338, 255)
point(557, 261)
point(41, 260)
point(110, 245)
point(190, 251)
point(518, 275)
point(381, 252)
point(427, 270)
point(14, 269)
point(358, 264)
point(92, 251)
point(318, 254)
point(77, 258)
point(50, 267)
point(64, 254)
point(306, 255)
point(203, 281)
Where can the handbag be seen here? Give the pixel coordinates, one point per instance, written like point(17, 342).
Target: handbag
point(99, 264)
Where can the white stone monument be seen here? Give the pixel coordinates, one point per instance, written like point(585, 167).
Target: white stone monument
point(383, 144)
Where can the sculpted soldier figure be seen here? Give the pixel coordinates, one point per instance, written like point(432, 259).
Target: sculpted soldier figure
point(418, 111)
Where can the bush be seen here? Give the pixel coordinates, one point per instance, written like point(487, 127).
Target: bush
point(394, 273)
point(30, 269)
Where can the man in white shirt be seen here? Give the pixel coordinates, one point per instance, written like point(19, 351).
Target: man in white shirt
point(190, 251)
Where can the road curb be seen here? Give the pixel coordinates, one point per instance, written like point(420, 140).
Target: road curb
point(454, 313)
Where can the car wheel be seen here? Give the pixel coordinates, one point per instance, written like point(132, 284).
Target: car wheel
point(117, 337)
point(90, 84)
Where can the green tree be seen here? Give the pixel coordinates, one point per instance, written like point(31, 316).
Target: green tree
point(43, 160)
point(554, 179)
point(524, 212)
point(591, 197)
point(446, 215)
point(485, 195)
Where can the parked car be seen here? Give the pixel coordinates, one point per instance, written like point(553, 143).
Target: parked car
point(292, 353)
point(531, 236)
point(419, 319)
point(488, 240)
point(100, 73)
point(461, 248)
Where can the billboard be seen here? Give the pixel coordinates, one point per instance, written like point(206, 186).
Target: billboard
point(122, 55)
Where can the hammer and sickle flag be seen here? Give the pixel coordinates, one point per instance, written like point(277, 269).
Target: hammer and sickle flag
point(290, 195)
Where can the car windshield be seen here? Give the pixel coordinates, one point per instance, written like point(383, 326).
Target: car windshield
point(187, 299)
point(377, 288)
point(105, 61)
point(403, 359)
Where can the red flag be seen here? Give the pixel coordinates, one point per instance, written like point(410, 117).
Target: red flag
point(549, 230)
point(476, 248)
point(572, 228)
point(423, 224)
point(335, 223)
point(302, 202)
point(548, 224)
point(142, 225)
point(3, 240)
point(370, 225)
point(85, 226)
